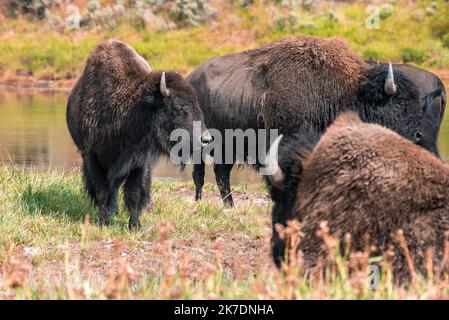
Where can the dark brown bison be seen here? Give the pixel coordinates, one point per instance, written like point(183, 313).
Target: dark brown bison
point(301, 82)
point(433, 101)
point(120, 115)
point(362, 179)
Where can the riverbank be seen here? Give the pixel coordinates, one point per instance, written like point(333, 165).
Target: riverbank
point(32, 84)
point(51, 246)
point(38, 54)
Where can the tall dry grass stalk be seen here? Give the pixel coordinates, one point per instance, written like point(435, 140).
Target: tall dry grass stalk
point(15, 275)
point(343, 264)
point(182, 277)
point(121, 275)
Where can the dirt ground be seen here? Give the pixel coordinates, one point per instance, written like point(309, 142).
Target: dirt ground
point(238, 255)
point(240, 198)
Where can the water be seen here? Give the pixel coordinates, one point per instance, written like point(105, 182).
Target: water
point(33, 133)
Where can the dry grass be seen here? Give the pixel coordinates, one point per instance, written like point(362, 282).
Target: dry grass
point(51, 248)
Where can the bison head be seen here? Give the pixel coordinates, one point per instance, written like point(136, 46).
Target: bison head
point(174, 106)
point(285, 161)
point(388, 97)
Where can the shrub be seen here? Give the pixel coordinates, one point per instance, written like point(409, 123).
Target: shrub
point(32, 8)
point(446, 40)
point(371, 54)
point(440, 22)
point(413, 55)
point(137, 12)
point(191, 12)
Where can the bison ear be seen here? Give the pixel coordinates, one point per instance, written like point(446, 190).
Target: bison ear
point(146, 94)
point(436, 93)
point(144, 90)
point(163, 86)
point(429, 99)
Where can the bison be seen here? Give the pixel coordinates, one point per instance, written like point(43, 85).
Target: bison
point(302, 81)
point(362, 179)
point(433, 101)
point(120, 115)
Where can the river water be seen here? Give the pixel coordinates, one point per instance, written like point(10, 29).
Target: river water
point(33, 133)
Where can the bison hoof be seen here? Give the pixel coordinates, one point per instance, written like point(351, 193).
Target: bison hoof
point(134, 225)
point(149, 206)
point(105, 220)
point(228, 202)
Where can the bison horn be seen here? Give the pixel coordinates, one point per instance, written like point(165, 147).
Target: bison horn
point(390, 86)
point(274, 172)
point(145, 62)
point(163, 87)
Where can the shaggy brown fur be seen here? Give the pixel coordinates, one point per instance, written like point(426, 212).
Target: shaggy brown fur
point(298, 83)
point(326, 70)
point(121, 121)
point(366, 179)
point(118, 73)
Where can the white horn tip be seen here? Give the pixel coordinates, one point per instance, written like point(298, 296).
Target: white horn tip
point(390, 86)
point(273, 149)
point(272, 168)
point(163, 86)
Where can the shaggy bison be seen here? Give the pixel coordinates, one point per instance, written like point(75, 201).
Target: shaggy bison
point(120, 115)
point(302, 82)
point(363, 179)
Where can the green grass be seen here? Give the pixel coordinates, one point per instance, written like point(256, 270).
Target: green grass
point(407, 32)
point(46, 210)
point(47, 207)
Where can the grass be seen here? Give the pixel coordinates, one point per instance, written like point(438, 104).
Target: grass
point(51, 246)
point(47, 207)
point(51, 249)
point(407, 32)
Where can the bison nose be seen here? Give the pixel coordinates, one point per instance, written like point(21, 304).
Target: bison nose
point(206, 138)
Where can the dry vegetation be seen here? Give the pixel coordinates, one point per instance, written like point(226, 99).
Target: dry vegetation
point(50, 247)
point(409, 31)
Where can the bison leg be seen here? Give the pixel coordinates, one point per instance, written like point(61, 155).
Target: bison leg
point(145, 190)
point(137, 190)
point(112, 204)
point(277, 244)
point(198, 179)
point(88, 184)
point(95, 180)
point(222, 175)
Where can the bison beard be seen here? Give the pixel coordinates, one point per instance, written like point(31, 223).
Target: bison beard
point(298, 83)
point(120, 115)
point(362, 179)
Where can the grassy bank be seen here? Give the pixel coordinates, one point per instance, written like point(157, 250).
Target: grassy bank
point(49, 249)
point(51, 245)
point(408, 31)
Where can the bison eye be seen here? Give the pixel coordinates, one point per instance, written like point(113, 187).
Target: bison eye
point(418, 135)
point(184, 109)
